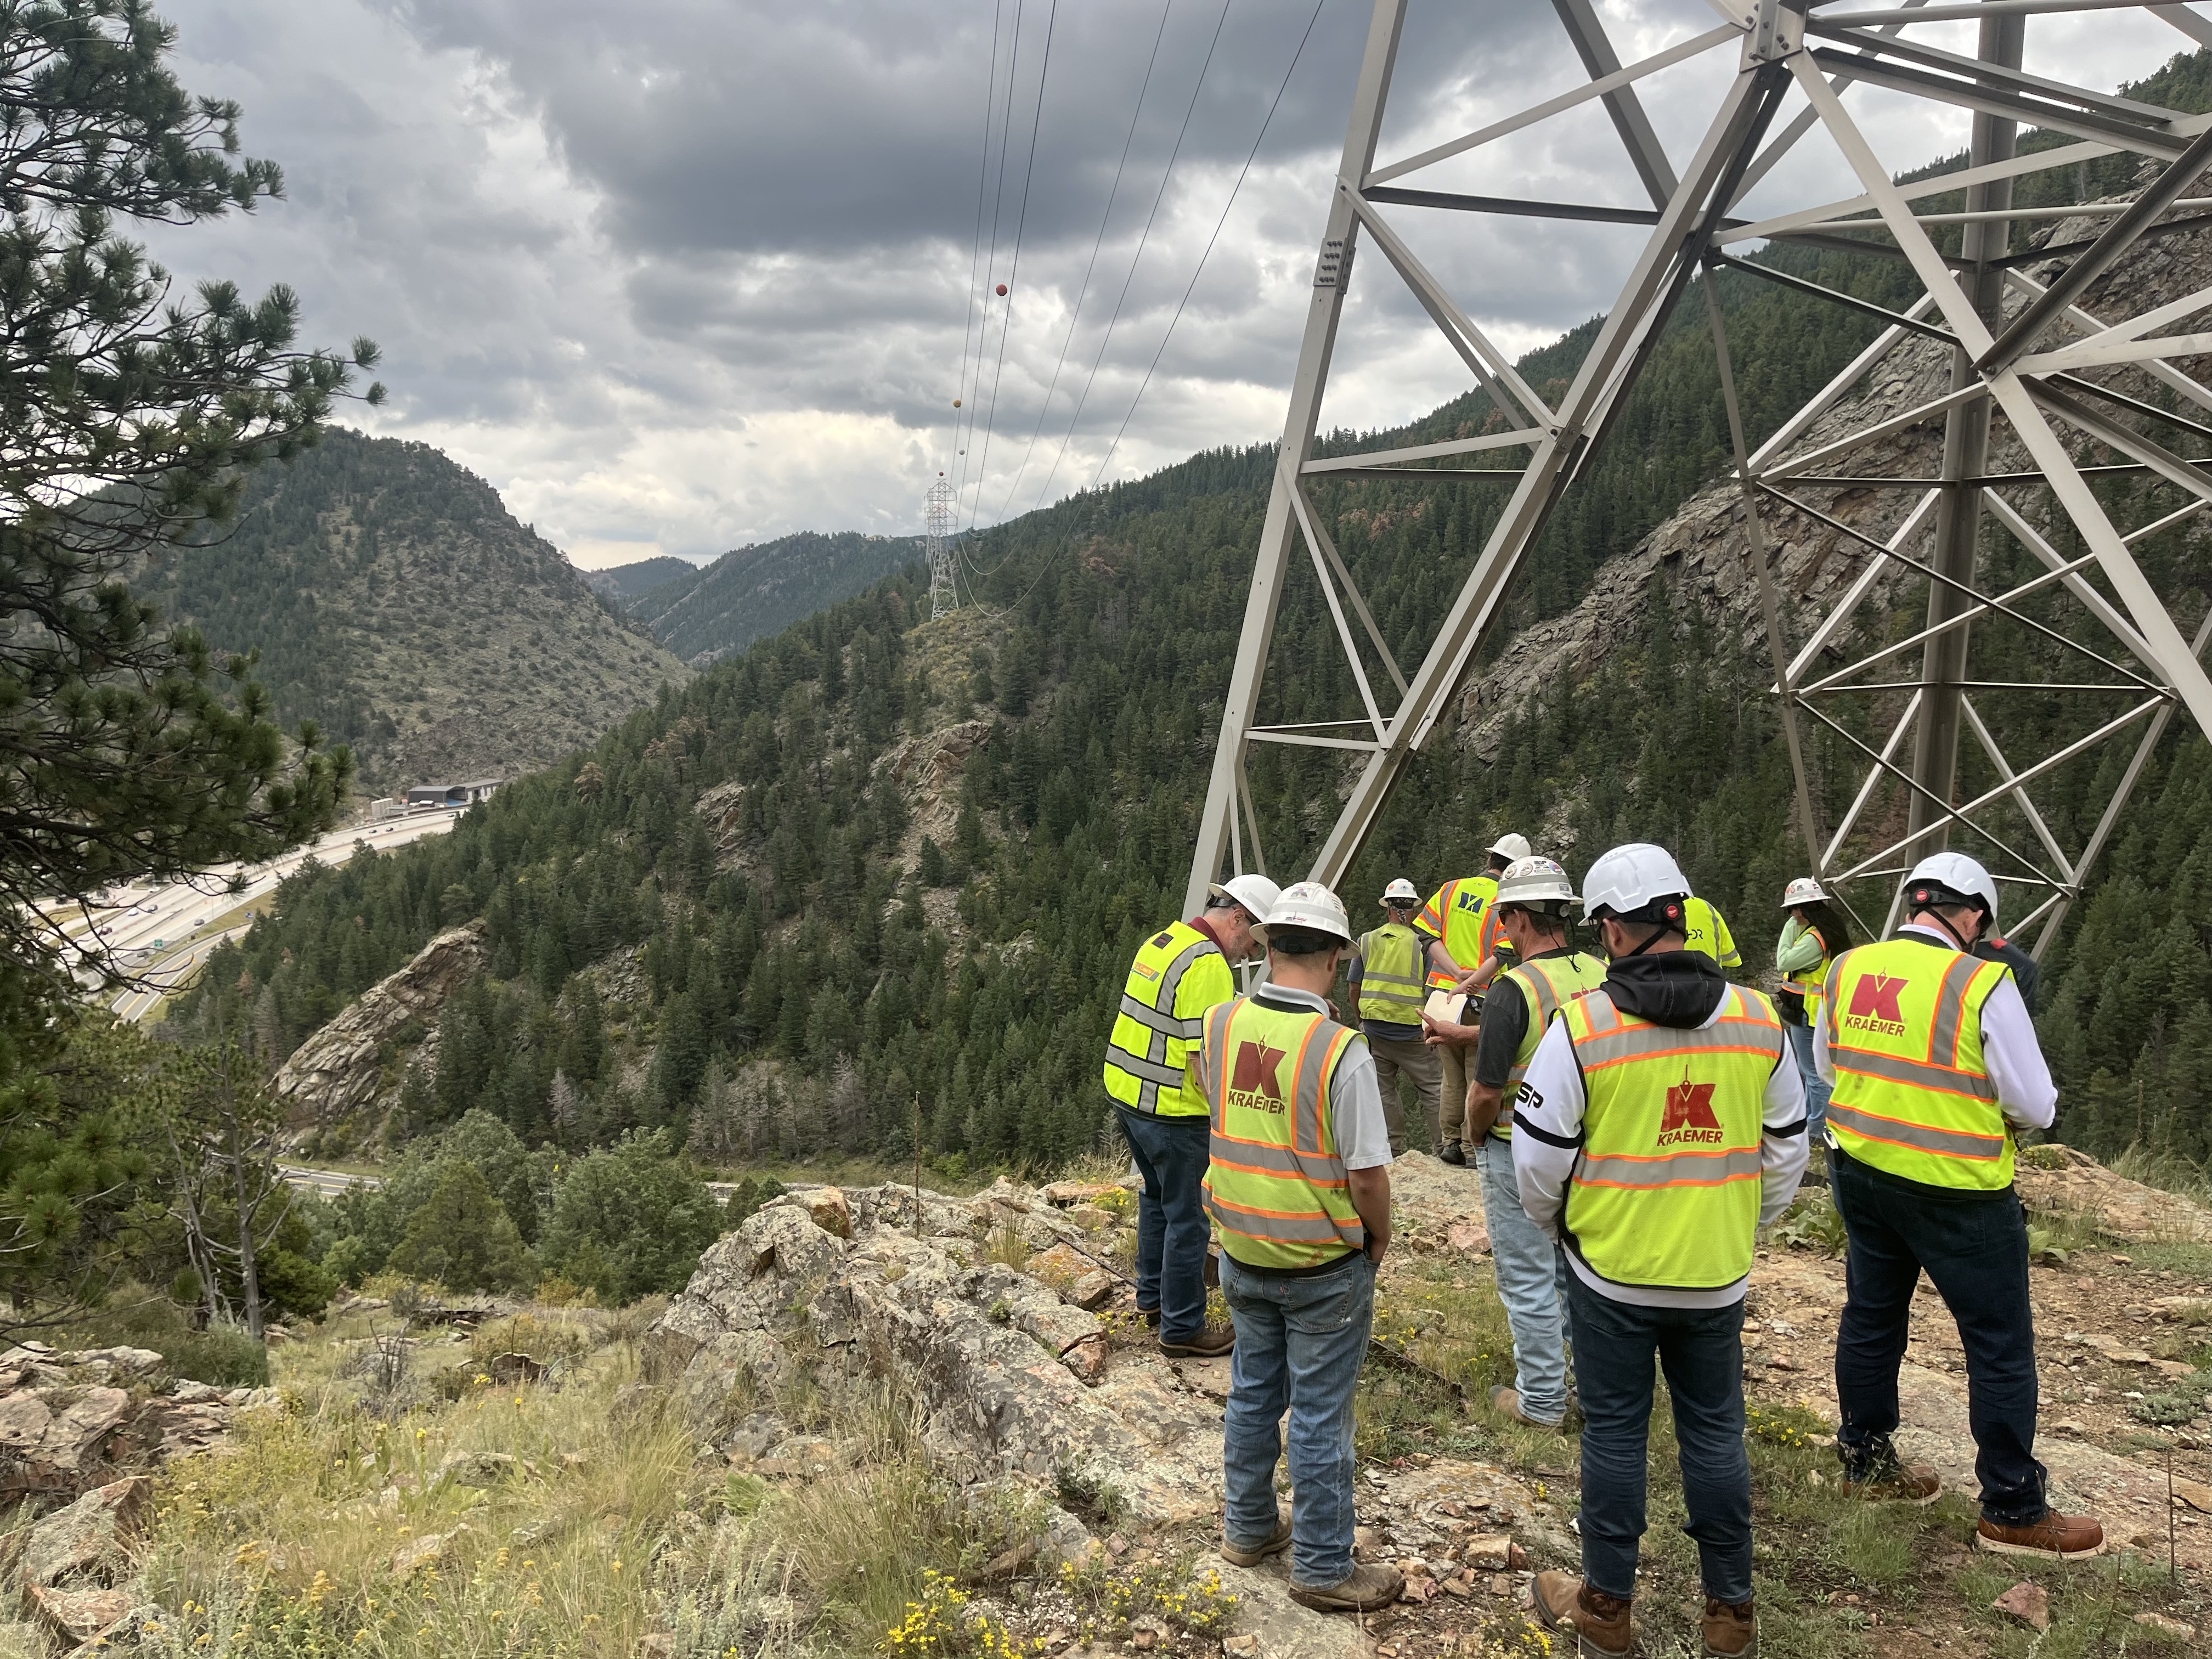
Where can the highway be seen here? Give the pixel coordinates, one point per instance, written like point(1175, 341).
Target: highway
point(325, 1183)
point(145, 927)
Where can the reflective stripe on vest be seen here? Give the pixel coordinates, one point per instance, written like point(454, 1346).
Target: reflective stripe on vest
point(1666, 1191)
point(1455, 914)
point(1177, 975)
point(1913, 1095)
point(1547, 984)
point(1390, 975)
point(1276, 1187)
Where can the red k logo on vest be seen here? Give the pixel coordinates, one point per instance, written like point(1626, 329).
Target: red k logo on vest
point(1689, 1113)
point(1254, 1084)
point(1874, 1005)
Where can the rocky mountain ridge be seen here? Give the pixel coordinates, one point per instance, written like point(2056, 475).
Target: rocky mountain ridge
point(395, 601)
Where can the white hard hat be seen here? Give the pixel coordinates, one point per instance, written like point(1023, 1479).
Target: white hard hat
point(1534, 882)
point(1401, 893)
point(1626, 881)
point(1255, 893)
point(1950, 878)
point(1803, 890)
point(1306, 904)
point(1510, 846)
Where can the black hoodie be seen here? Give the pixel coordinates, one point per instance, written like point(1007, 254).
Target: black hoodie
point(1679, 989)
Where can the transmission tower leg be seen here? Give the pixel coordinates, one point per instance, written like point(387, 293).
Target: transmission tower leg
point(1966, 456)
point(1217, 819)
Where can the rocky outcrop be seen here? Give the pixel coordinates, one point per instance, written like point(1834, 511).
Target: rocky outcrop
point(2059, 1180)
point(896, 1279)
point(1703, 548)
point(65, 1430)
point(334, 1072)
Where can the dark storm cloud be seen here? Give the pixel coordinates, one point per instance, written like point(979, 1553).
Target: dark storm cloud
point(684, 273)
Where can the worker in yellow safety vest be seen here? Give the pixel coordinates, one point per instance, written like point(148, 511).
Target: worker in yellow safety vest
point(1180, 972)
point(1813, 936)
point(1659, 1123)
point(1385, 981)
point(1707, 932)
point(1300, 1188)
point(1458, 917)
point(1935, 1069)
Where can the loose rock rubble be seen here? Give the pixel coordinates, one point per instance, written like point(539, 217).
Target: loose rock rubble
point(65, 1429)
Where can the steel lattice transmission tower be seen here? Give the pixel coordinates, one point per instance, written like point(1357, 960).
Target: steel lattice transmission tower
point(938, 520)
point(2059, 376)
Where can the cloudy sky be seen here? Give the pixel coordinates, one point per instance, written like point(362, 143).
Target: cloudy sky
point(680, 274)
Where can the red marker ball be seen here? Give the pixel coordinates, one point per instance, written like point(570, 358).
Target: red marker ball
point(1002, 289)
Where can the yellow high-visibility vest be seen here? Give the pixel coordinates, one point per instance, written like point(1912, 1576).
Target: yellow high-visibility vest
point(1913, 1095)
point(1549, 984)
point(1179, 974)
point(1390, 975)
point(1277, 1186)
point(1807, 982)
point(1667, 1189)
point(1455, 914)
point(1707, 930)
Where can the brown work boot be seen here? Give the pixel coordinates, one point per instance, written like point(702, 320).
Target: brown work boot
point(1731, 1630)
point(1151, 1316)
point(1507, 1402)
point(1214, 1342)
point(1600, 1623)
point(1900, 1483)
point(1369, 1587)
point(2055, 1538)
point(1237, 1555)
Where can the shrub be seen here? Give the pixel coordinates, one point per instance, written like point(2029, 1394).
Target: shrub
point(464, 1238)
point(630, 1220)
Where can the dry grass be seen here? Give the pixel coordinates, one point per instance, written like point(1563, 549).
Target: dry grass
point(327, 1529)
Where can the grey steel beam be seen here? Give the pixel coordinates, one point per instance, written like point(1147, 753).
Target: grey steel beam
point(2094, 261)
point(1645, 152)
point(1323, 313)
point(1966, 455)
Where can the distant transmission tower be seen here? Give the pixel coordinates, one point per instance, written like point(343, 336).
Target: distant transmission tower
point(940, 519)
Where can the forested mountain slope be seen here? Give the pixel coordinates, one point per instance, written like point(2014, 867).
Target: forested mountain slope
point(627, 582)
point(750, 592)
point(394, 600)
point(875, 871)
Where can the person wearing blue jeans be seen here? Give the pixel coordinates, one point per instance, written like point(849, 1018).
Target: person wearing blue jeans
point(1172, 1236)
point(1300, 1343)
point(1659, 1123)
point(1299, 1184)
point(1700, 1351)
point(1532, 1283)
point(1531, 908)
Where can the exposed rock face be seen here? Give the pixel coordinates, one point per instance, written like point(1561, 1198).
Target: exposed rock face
point(986, 1346)
point(1703, 546)
point(2058, 1178)
point(334, 1073)
point(63, 1431)
point(1012, 1380)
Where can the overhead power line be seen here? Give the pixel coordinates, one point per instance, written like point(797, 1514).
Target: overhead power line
point(1136, 258)
point(1021, 221)
point(1211, 241)
point(1083, 289)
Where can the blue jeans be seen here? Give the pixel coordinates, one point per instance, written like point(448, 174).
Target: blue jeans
point(1701, 1351)
point(1172, 1154)
point(1532, 1283)
point(1974, 1247)
point(1816, 1086)
point(1300, 1343)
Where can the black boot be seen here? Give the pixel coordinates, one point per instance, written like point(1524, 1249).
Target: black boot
point(1452, 1154)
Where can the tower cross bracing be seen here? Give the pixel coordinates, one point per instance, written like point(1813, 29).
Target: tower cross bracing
point(2048, 391)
